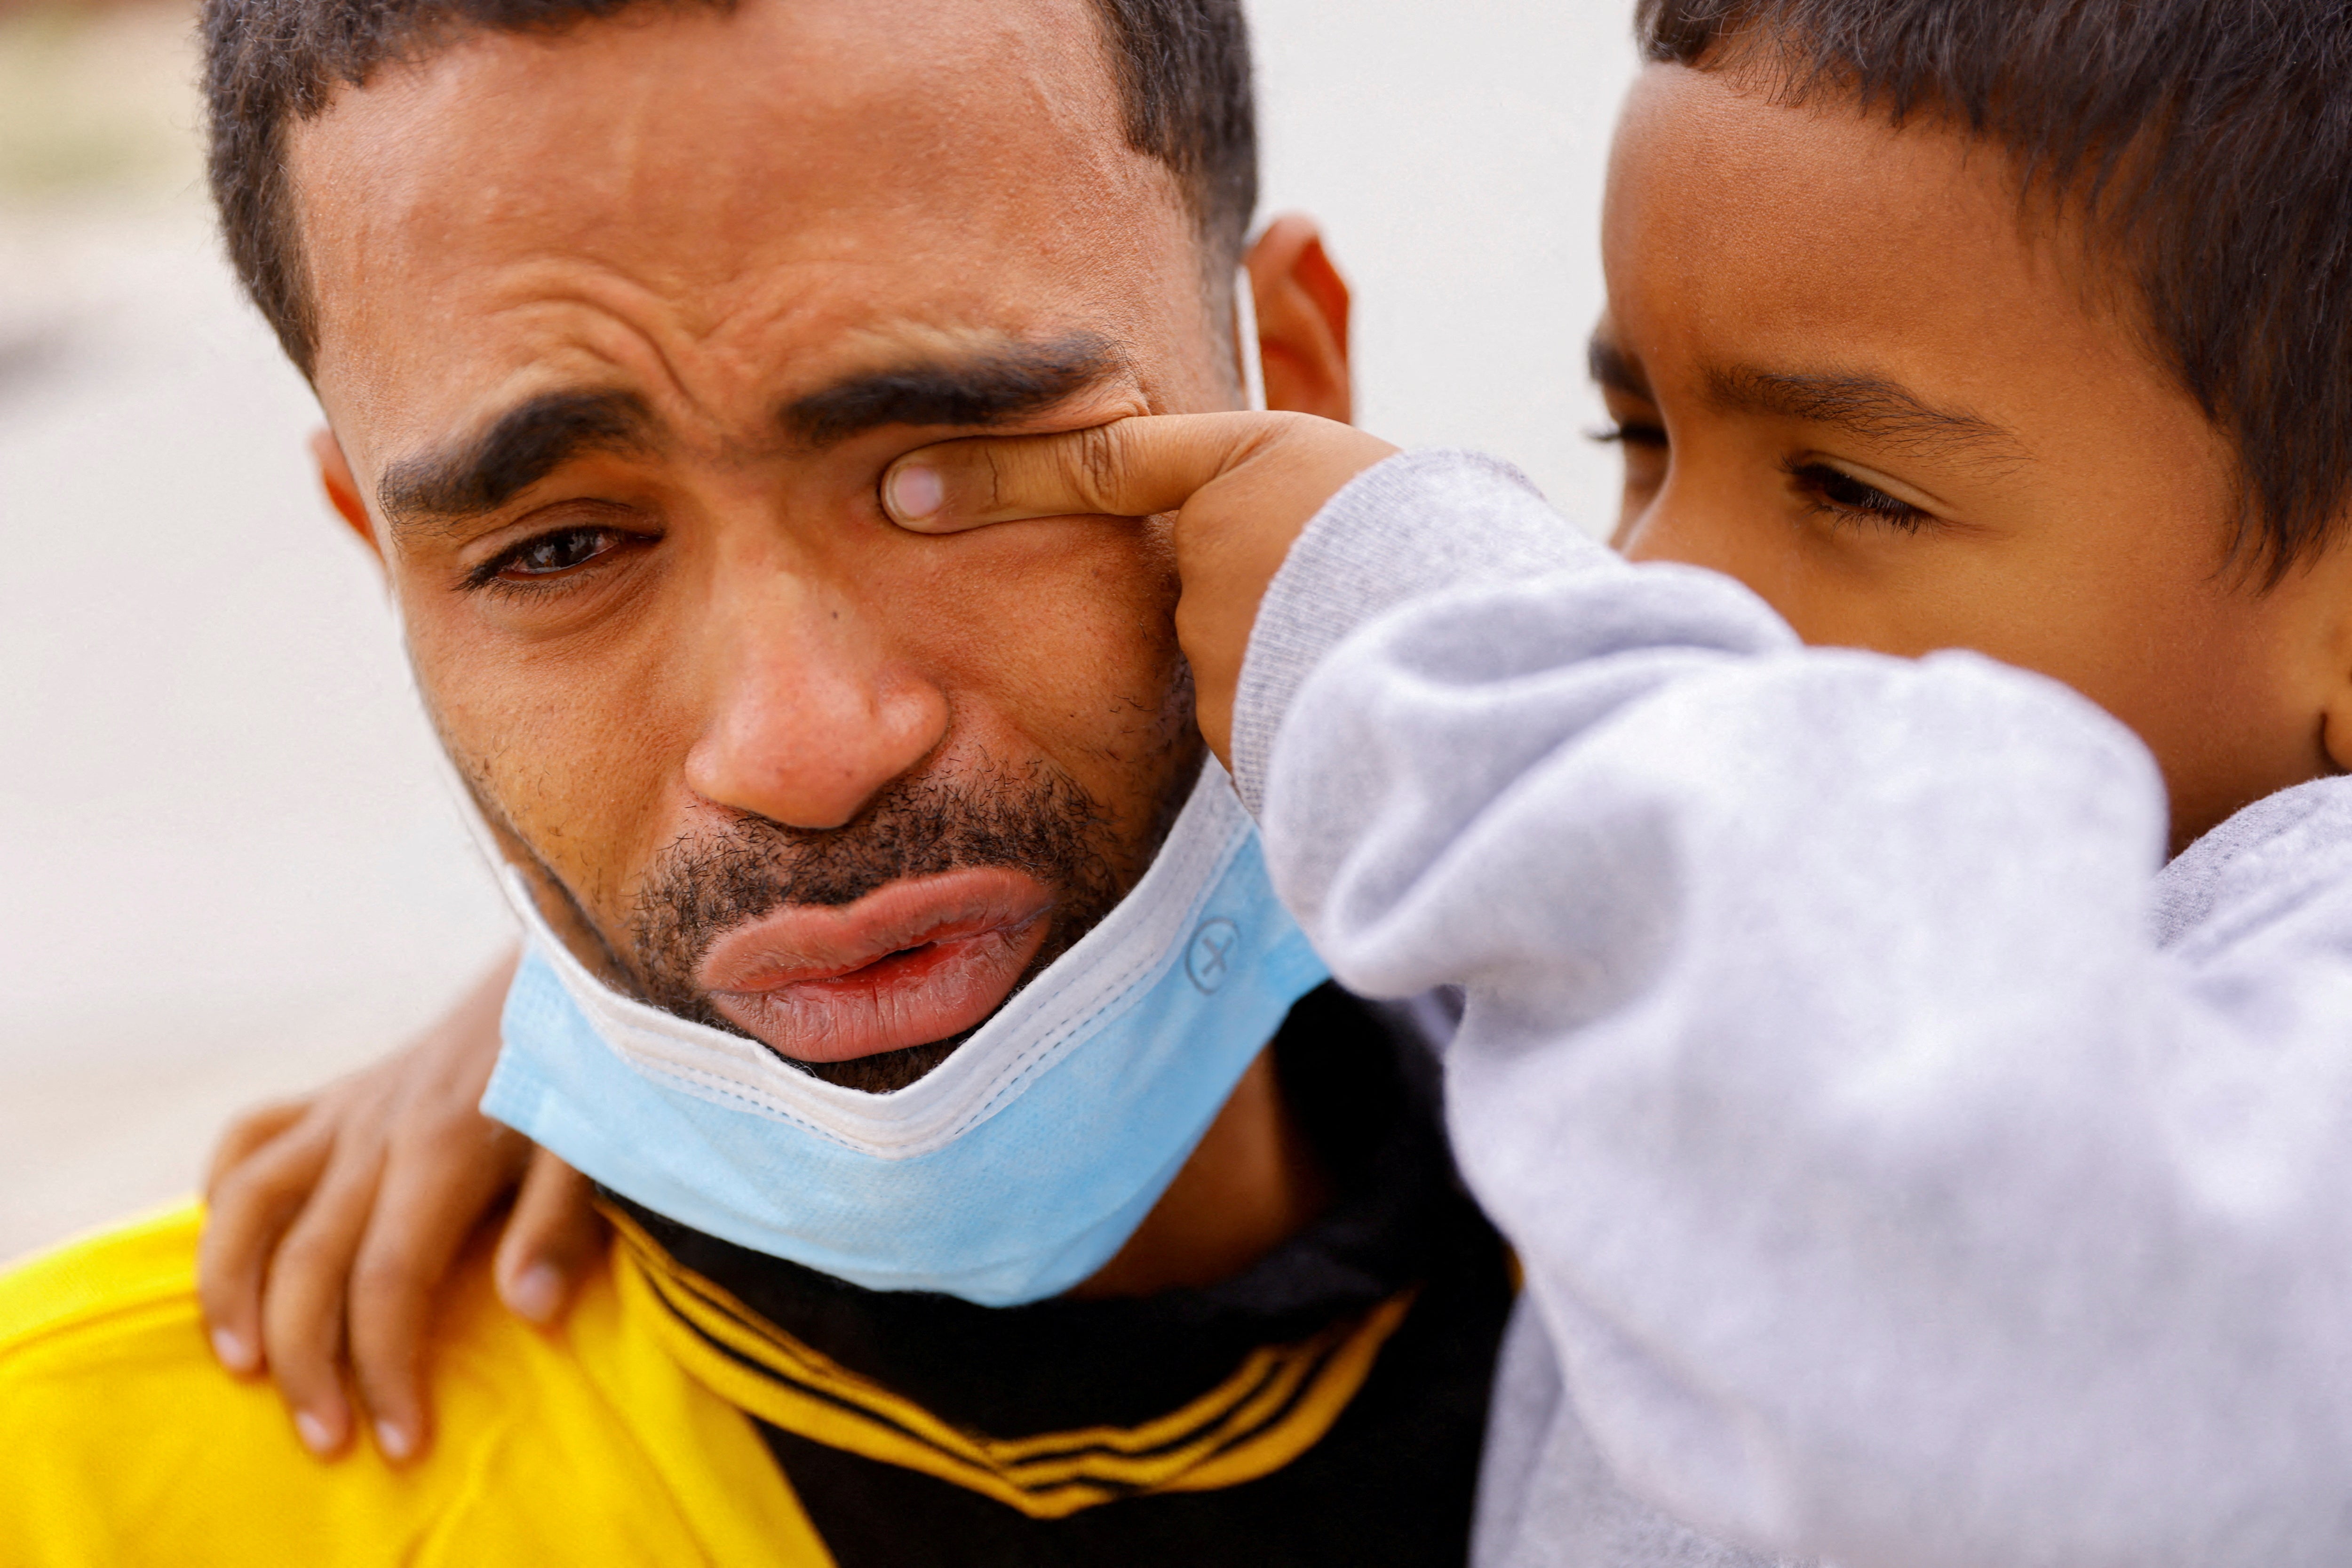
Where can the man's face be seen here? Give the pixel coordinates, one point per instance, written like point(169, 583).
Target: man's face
point(617, 330)
point(1850, 375)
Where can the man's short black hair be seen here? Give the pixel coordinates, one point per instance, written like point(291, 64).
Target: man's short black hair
point(2207, 141)
point(1182, 68)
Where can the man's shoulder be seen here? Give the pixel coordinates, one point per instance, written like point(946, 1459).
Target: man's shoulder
point(110, 1408)
point(114, 1288)
point(128, 1444)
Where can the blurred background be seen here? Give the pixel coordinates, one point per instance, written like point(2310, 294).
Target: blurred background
point(228, 871)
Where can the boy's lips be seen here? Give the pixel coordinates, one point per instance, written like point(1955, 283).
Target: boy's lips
point(909, 963)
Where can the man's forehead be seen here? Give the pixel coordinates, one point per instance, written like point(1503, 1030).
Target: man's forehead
point(690, 170)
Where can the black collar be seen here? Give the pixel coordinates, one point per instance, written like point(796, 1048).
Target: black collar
point(1366, 1094)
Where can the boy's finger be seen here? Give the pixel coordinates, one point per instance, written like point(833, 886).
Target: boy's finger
point(432, 1193)
point(250, 1201)
point(1135, 468)
point(303, 1300)
point(552, 1236)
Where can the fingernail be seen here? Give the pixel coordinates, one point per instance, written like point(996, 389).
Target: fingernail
point(234, 1353)
point(393, 1439)
point(536, 1292)
point(916, 492)
point(317, 1436)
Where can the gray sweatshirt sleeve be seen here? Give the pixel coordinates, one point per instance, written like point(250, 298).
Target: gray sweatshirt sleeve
point(1902, 1174)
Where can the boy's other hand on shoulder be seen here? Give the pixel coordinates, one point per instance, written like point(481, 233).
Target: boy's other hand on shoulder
point(333, 1219)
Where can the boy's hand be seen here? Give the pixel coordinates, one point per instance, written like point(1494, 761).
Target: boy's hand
point(332, 1219)
point(1242, 486)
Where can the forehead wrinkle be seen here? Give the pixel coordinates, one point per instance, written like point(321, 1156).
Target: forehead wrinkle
point(651, 345)
point(658, 328)
point(1867, 406)
point(702, 349)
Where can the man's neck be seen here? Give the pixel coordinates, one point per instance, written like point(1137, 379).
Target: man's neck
point(1253, 1182)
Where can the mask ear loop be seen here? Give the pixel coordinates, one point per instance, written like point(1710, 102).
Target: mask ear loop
point(1245, 347)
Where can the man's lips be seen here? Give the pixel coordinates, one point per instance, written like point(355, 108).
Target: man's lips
point(909, 963)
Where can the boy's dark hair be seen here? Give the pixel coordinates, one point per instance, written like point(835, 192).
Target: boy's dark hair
point(2209, 142)
point(1182, 68)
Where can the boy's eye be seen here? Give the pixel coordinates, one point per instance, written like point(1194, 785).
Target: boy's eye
point(549, 555)
point(1632, 433)
point(1841, 494)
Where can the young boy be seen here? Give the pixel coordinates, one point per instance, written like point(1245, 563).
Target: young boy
point(1908, 1165)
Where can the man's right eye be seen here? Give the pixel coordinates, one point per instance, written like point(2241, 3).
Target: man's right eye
point(1632, 433)
point(546, 557)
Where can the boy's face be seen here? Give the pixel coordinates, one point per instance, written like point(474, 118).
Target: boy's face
point(1850, 374)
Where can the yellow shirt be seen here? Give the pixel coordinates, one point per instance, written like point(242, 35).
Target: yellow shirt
point(625, 1436)
point(122, 1441)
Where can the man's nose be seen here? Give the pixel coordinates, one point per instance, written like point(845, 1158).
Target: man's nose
point(810, 710)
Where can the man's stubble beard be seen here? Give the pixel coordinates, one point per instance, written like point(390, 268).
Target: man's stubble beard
point(1041, 822)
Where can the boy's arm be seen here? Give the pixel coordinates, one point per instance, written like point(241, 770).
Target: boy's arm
point(1887, 1193)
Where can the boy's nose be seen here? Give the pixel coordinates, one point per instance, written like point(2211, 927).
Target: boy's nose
point(1689, 521)
point(809, 712)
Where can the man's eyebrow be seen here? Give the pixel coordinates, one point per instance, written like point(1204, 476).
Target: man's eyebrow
point(991, 385)
point(1613, 370)
point(522, 447)
point(1866, 405)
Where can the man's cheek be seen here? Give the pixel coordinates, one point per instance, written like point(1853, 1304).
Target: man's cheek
point(1128, 733)
point(578, 779)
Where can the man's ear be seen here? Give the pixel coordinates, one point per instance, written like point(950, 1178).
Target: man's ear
point(342, 491)
point(1302, 320)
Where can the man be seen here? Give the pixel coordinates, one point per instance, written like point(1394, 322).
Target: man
point(617, 314)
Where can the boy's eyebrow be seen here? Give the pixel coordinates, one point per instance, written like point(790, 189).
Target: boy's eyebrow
point(1867, 406)
point(1615, 369)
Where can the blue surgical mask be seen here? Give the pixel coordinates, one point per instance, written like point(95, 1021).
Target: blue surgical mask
point(1013, 1171)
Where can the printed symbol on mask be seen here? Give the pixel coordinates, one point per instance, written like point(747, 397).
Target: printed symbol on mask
point(1210, 958)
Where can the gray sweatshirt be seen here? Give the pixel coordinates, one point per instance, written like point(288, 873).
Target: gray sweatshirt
point(1910, 1170)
